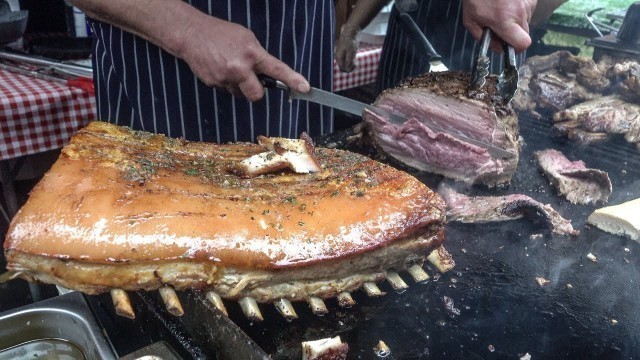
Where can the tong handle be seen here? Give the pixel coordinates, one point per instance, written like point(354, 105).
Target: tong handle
point(509, 54)
point(484, 42)
point(508, 79)
point(410, 26)
point(481, 62)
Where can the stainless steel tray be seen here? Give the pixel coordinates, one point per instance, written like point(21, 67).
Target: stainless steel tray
point(64, 324)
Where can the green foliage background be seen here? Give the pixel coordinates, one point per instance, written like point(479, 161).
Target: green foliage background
point(572, 15)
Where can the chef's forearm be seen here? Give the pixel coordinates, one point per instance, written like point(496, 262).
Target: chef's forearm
point(165, 23)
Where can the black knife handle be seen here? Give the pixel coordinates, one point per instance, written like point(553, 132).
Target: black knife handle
point(271, 83)
point(412, 29)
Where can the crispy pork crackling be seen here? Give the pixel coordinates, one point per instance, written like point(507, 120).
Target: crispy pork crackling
point(129, 210)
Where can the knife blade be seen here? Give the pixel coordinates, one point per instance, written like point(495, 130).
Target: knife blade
point(355, 107)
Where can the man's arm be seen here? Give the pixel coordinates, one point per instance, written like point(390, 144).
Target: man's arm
point(220, 53)
point(361, 15)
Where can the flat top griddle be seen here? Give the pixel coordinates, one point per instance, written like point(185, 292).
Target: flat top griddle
point(588, 310)
point(488, 307)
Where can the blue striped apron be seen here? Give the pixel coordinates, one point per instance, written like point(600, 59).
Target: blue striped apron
point(142, 86)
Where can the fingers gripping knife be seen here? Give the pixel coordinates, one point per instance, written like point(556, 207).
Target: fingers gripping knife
point(508, 79)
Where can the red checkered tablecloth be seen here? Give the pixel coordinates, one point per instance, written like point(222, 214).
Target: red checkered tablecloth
point(39, 115)
point(366, 71)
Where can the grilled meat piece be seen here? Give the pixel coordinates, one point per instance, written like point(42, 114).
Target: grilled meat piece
point(572, 178)
point(630, 89)
point(297, 155)
point(130, 210)
point(550, 83)
point(441, 99)
point(485, 209)
point(555, 82)
point(601, 117)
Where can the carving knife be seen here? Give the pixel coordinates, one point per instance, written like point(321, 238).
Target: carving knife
point(357, 108)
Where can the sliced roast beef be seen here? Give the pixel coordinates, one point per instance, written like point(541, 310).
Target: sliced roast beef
point(573, 179)
point(441, 99)
point(486, 209)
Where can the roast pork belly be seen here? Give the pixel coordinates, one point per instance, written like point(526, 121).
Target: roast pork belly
point(441, 99)
point(123, 209)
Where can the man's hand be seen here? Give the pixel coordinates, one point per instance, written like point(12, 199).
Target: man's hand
point(508, 19)
point(228, 55)
point(220, 53)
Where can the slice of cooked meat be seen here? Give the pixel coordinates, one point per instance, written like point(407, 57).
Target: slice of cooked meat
point(441, 99)
point(485, 209)
point(573, 179)
point(622, 219)
point(123, 209)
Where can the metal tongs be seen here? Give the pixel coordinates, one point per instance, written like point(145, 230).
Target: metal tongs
point(508, 79)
